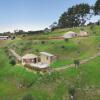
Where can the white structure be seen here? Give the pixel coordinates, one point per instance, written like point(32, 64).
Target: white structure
point(69, 35)
point(29, 59)
point(46, 58)
point(39, 65)
point(33, 60)
point(83, 33)
point(4, 37)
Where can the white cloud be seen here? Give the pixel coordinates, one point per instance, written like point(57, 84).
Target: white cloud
point(94, 19)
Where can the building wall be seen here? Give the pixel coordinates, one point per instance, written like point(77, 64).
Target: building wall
point(3, 38)
point(45, 59)
point(29, 61)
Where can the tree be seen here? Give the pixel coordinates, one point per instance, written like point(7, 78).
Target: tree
point(67, 20)
point(98, 22)
point(28, 97)
point(77, 63)
point(72, 92)
point(97, 7)
point(47, 30)
point(53, 26)
point(75, 16)
point(18, 32)
point(13, 62)
point(66, 39)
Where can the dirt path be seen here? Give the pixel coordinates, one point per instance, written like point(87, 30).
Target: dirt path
point(18, 57)
point(81, 62)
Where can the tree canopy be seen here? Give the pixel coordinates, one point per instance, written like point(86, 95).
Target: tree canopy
point(75, 16)
point(97, 7)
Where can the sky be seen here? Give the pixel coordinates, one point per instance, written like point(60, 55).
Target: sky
point(33, 14)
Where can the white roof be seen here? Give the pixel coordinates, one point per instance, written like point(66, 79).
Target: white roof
point(4, 36)
point(69, 34)
point(39, 65)
point(47, 54)
point(29, 56)
point(83, 32)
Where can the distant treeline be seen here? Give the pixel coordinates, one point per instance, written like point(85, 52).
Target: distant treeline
point(21, 32)
point(18, 32)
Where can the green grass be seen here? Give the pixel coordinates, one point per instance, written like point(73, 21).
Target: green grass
point(54, 85)
point(61, 63)
point(65, 51)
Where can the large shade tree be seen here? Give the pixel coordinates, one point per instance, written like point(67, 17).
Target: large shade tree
point(67, 20)
point(75, 16)
point(97, 7)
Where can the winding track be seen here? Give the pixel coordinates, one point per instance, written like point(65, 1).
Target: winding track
point(81, 62)
point(18, 57)
point(63, 67)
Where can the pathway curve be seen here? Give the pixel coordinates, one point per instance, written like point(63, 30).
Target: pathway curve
point(18, 57)
point(81, 62)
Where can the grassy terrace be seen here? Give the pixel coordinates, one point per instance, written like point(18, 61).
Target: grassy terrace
point(78, 48)
point(52, 86)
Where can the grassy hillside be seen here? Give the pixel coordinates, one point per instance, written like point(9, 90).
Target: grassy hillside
point(66, 51)
point(16, 81)
point(49, 87)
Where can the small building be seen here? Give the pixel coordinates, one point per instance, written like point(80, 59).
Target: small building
point(4, 37)
point(29, 59)
point(34, 62)
point(69, 35)
point(83, 34)
point(46, 58)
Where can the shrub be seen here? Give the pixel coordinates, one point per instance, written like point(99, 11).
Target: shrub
point(42, 42)
point(24, 35)
point(71, 91)
point(66, 40)
point(94, 32)
point(37, 50)
point(82, 29)
point(52, 43)
point(63, 47)
point(92, 27)
point(28, 97)
point(13, 62)
point(77, 63)
point(13, 37)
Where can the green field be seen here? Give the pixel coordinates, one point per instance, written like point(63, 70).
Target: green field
point(66, 51)
point(54, 85)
